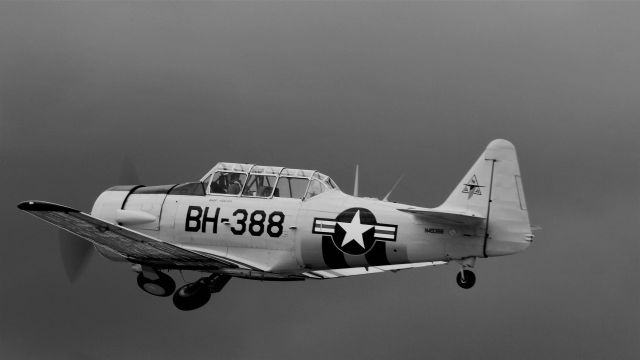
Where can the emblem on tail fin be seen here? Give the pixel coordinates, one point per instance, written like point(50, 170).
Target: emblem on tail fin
point(472, 187)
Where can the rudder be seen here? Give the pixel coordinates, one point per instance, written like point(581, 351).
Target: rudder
point(492, 188)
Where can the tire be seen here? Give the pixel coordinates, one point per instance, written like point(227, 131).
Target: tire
point(163, 286)
point(469, 279)
point(191, 296)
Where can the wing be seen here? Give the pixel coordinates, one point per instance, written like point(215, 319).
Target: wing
point(443, 216)
point(134, 246)
point(336, 273)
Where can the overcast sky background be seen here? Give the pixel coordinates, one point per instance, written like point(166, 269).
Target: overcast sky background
point(414, 88)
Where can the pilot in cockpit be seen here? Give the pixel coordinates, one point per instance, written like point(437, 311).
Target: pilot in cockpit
point(235, 185)
point(219, 186)
point(227, 183)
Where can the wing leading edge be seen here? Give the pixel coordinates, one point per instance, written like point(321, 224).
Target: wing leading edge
point(134, 246)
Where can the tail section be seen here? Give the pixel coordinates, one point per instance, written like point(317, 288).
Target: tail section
point(492, 188)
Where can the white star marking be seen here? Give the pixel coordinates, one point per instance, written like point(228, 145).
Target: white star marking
point(354, 230)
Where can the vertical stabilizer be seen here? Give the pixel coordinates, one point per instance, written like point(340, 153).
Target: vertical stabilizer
point(492, 188)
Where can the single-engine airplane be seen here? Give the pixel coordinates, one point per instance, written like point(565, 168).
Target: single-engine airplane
point(281, 224)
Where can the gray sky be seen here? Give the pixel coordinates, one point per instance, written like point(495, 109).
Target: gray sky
point(415, 88)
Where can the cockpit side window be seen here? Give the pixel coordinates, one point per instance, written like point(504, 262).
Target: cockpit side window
point(259, 185)
point(291, 187)
point(229, 183)
point(332, 184)
point(315, 187)
point(205, 182)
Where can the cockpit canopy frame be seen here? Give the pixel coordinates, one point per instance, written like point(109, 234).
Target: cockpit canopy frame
point(258, 181)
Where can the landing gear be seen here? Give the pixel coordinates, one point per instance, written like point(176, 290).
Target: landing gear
point(191, 296)
point(466, 279)
point(197, 294)
point(156, 283)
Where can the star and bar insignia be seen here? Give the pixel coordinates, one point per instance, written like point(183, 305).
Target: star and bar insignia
point(355, 231)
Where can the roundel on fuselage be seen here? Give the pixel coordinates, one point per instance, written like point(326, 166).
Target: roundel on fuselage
point(355, 231)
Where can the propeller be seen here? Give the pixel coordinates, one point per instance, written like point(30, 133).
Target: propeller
point(128, 173)
point(75, 251)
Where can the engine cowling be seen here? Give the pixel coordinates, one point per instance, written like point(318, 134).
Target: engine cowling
point(106, 207)
point(110, 201)
point(134, 206)
point(137, 207)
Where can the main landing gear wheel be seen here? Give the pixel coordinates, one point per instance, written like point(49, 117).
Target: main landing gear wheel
point(191, 296)
point(466, 279)
point(162, 286)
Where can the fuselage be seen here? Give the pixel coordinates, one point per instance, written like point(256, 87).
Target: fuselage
point(286, 235)
point(288, 221)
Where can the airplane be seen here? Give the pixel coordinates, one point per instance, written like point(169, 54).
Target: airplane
point(279, 224)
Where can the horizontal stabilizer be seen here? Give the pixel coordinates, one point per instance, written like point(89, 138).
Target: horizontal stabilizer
point(446, 216)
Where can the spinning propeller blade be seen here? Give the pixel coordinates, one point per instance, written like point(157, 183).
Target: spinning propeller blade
point(128, 173)
point(75, 253)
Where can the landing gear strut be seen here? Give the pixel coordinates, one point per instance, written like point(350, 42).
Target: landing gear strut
point(194, 295)
point(466, 278)
point(156, 283)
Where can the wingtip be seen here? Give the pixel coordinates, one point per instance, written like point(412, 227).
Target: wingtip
point(25, 205)
point(33, 205)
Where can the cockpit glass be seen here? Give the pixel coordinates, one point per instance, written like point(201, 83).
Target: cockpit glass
point(259, 185)
point(229, 183)
point(265, 181)
point(332, 184)
point(315, 187)
point(290, 187)
point(205, 182)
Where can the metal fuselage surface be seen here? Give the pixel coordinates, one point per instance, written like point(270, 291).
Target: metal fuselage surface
point(278, 227)
point(279, 234)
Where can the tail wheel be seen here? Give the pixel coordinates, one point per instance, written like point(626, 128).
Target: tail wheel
point(466, 279)
point(191, 296)
point(162, 286)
